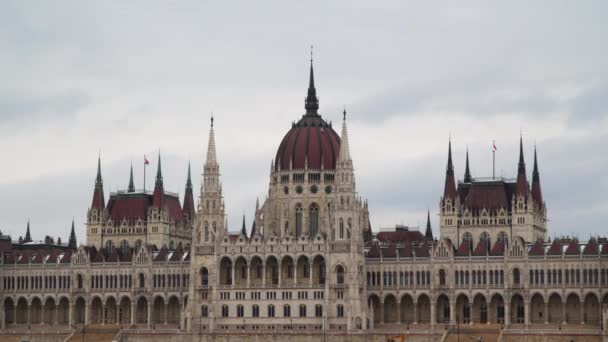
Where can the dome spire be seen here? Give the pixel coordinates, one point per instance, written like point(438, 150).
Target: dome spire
point(467, 172)
point(131, 184)
point(312, 102)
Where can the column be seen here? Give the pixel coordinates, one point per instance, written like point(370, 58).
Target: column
point(104, 314)
point(507, 307)
point(118, 310)
point(564, 313)
point(87, 307)
point(233, 276)
point(398, 312)
point(546, 313)
point(56, 314)
point(416, 312)
point(582, 312)
point(310, 273)
point(381, 321)
point(527, 311)
point(2, 319)
point(248, 272)
point(70, 313)
point(433, 314)
point(280, 273)
point(149, 314)
point(452, 312)
point(133, 312)
point(167, 307)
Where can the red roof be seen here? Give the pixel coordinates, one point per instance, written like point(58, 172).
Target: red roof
point(464, 249)
point(400, 236)
point(556, 248)
point(573, 248)
point(498, 249)
point(406, 251)
point(423, 251)
point(389, 252)
point(491, 196)
point(134, 206)
point(481, 249)
point(591, 248)
point(537, 248)
point(310, 139)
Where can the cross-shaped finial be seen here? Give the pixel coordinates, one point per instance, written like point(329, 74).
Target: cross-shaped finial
point(211, 119)
point(344, 113)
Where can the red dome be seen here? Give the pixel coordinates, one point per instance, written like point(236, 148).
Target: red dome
point(310, 138)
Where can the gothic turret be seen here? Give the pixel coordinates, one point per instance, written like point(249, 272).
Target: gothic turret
point(467, 171)
point(98, 197)
point(72, 241)
point(189, 210)
point(522, 181)
point(536, 192)
point(312, 102)
point(428, 234)
point(131, 184)
point(449, 190)
point(244, 228)
point(159, 191)
point(28, 236)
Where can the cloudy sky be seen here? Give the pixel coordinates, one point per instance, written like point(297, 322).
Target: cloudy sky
point(128, 78)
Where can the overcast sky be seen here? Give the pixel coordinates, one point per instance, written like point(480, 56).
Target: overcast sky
point(128, 78)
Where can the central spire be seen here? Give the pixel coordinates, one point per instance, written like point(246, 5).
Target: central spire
point(467, 171)
point(312, 102)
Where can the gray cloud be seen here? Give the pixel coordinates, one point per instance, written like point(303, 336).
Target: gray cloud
point(30, 109)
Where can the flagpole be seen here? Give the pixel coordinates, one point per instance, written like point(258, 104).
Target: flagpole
point(144, 174)
point(493, 159)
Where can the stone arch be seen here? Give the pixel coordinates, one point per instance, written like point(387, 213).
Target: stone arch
point(141, 280)
point(256, 271)
point(240, 271)
point(442, 278)
point(80, 308)
point(111, 310)
point(9, 311)
point(374, 303)
point(517, 309)
point(158, 310)
point(287, 268)
point(49, 312)
point(591, 309)
point(313, 219)
point(36, 311)
point(142, 311)
point(318, 270)
point(22, 311)
point(390, 309)
point(225, 271)
point(573, 309)
point(303, 270)
point(497, 309)
point(63, 311)
point(423, 309)
point(555, 308)
point(173, 311)
point(272, 270)
point(463, 309)
point(203, 277)
point(515, 276)
point(96, 311)
point(339, 275)
point(480, 309)
point(406, 307)
point(443, 309)
point(537, 308)
point(124, 316)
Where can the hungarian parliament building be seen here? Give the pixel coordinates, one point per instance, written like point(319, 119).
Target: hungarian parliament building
point(310, 261)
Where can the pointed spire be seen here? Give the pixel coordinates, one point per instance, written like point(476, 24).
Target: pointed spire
point(428, 234)
point(98, 197)
point(243, 228)
point(159, 191)
point(522, 181)
point(344, 155)
point(536, 190)
point(28, 236)
point(159, 173)
point(449, 190)
point(189, 211)
point(131, 184)
point(467, 172)
point(312, 102)
point(72, 240)
point(211, 155)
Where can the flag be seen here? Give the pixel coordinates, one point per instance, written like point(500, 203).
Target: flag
point(146, 162)
point(494, 145)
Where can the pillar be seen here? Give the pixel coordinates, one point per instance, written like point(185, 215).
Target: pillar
point(280, 273)
point(582, 312)
point(564, 313)
point(87, 307)
point(167, 307)
point(452, 312)
point(133, 309)
point(433, 318)
point(527, 312)
point(2, 319)
point(150, 304)
point(104, 314)
point(70, 313)
point(233, 282)
point(399, 312)
point(381, 312)
point(248, 273)
point(546, 313)
point(507, 306)
point(416, 312)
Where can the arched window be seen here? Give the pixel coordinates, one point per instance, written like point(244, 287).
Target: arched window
point(255, 311)
point(79, 280)
point(225, 311)
point(318, 310)
point(467, 237)
point(341, 228)
point(206, 231)
point(270, 310)
point(171, 245)
point(339, 275)
point(204, 277)
point(485, 238)
point(110, 245)
point(340, 310)
point(302, 310)
point(441, 277)
point(516, 276)
point(502, 236)
point(142, 281)
point(123, 246)
point(240, 311)
point(313, 219)
point(286, 310)
point(298, 220)
point(204, 311)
